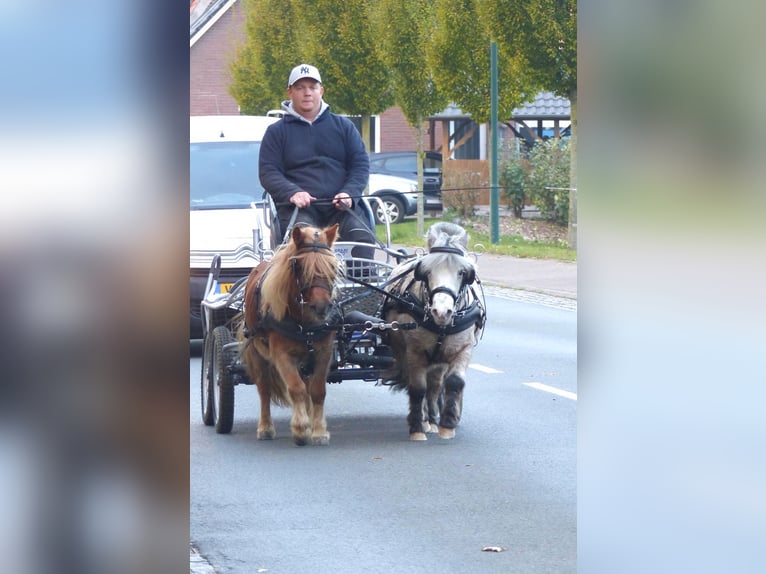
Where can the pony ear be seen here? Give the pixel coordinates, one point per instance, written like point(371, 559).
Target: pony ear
point(331, 234)
point(297, 235)
point(470, 275)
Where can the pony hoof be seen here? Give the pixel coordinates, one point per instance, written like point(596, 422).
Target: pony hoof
point(431, 428)
point(321, 440)
point(418, 436)
point(446, 433)
point(300, 440)
point(267, 434)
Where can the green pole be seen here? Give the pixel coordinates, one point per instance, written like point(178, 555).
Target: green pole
point(494, 201)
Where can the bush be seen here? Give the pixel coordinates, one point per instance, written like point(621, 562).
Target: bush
point(462, 193)
point(547, 184)
point(512, 182)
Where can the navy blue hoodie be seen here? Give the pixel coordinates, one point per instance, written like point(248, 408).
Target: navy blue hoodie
point(322, 157)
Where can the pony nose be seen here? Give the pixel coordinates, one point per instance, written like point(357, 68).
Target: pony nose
point(441, 316)
point(442, 308)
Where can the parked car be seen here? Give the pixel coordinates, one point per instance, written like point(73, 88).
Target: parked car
point(399, 196)
point(223, 183)
point(404, 164)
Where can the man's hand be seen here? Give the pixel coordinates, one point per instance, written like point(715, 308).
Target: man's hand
point(302, 199)
point(342, 200)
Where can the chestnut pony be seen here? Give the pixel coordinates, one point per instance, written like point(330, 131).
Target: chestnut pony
point(287, 338)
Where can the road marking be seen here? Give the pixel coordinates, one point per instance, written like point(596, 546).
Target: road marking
point(554, 390)
point(484, 369)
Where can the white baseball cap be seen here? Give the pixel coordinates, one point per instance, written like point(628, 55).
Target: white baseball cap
point(303, 71)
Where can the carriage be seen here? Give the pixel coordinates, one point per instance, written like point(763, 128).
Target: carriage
point(350, 339)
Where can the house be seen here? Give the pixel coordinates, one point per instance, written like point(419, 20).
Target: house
point(216, 29)
point(548, 115)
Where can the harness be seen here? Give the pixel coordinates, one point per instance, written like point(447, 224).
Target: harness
point(472, 313)
point(289, 327)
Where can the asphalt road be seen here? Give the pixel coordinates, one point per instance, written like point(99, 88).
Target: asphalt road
point(374, 502)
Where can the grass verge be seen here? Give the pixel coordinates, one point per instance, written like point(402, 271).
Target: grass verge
point(405, 233)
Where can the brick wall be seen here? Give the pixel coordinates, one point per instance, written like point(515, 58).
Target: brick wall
point(397, 135)
point(209, 61)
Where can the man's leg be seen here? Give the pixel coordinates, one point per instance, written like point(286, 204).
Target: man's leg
point(355, 229)
point(305, 216)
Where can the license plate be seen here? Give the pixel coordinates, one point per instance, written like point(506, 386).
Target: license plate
point(224, 287)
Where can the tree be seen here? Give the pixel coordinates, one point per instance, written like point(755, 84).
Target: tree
point(270, 50)
point(405, 28)
point(346, 51)
point(539, 37)
point(459, 58)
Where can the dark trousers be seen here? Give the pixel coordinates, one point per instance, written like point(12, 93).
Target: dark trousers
point(350, 228)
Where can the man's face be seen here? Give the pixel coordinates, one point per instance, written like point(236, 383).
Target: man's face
point(306, 96)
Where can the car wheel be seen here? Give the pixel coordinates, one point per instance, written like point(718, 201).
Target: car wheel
point(393, 206)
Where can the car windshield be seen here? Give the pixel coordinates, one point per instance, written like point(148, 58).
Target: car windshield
point(432, 165)
point(224, 175)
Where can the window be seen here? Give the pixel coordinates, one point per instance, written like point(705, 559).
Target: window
point(224, 174)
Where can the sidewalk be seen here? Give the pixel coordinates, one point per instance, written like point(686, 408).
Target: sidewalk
point(546, 276)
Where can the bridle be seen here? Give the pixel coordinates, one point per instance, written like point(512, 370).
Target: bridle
point(419, 276)
point(314, 247)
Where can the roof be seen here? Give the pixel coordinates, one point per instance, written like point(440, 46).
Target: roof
point(451, 112)
point(546, 106)
point(203, 14)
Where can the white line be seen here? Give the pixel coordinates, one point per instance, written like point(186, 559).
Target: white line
point(484, 369)
point(554, 390)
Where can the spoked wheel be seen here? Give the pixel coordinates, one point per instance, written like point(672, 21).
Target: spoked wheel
point(222, 381)
point(206, 382)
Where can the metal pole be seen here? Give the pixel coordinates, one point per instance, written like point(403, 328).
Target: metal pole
point(494, 202)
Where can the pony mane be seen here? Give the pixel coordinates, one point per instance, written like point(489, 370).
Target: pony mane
point(446, 234)
point(280, 285)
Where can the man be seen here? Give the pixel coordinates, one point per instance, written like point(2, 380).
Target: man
point(316, 160)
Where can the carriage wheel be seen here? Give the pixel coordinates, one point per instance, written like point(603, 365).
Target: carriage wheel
point(206, 383)
point(223, 382)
